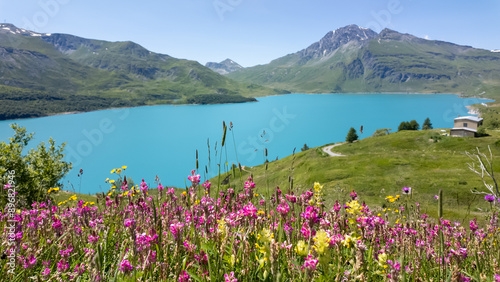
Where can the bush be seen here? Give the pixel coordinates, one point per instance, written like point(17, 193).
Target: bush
point(305, 148)
point(481, 131)
point(381, 132)
point(351, 135)
point(33, 173)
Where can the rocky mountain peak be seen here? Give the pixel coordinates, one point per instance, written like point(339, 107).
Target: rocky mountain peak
point(337, 38)
point(12, 29)
point(224, 67)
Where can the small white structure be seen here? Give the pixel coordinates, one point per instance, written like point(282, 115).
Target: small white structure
point(466, 126)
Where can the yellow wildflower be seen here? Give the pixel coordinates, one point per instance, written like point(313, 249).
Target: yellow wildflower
point(348, 240)
point(382, 259)
point(301, 248)
point(107, 180)
point(118, 170)
point(317, 187)
point(266, 235)
point(322, 242)
point(354, 207)
point(53, 189)
point(125, 193)
point(124, 167)
point(113, 170)
point(72, 198)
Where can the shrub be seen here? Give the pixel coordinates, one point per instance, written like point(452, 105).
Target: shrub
point(305, 148)
point(35, 172)
point(381, 132)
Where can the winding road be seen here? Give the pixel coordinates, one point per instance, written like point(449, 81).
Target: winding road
point(328, 150)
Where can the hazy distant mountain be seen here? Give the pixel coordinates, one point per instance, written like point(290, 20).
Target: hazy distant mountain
point(224, 67)
point(356, 59)
point(50, 73)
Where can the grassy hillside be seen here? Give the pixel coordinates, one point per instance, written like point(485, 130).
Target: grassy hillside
point(377, 167)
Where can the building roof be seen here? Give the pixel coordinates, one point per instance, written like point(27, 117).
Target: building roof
point(471, 118)
point(464, 128)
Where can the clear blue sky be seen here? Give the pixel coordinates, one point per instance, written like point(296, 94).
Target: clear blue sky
point(252, 32)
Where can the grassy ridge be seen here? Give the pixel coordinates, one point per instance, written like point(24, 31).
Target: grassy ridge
point(376, 167)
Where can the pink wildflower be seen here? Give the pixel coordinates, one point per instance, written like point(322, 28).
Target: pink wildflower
point(473, 225)
point(125, 266)
point(128, 222)
point(46, 272)
point(283, 208)
point(176, 229)
point(194, 178)
point(184, 276)
point(353, 195)
point(62, 265)
point(230, 277)
point(310, 263)
point(93, 239)
point(144, 186)
point(250, 210)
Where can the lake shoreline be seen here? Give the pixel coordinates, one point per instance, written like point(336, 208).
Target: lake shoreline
point(356, 93)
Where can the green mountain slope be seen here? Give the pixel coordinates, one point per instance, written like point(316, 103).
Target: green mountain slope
point(376, 167)
point(355, 59)
point(42, 74)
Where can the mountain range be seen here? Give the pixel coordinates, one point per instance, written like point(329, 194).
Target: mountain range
point(355, 59)
point(42, 74)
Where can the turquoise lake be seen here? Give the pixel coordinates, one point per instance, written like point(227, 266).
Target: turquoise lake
point(162, 140)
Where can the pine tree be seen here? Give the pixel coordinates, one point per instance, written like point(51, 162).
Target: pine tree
point(351, 135)
point(427, 124)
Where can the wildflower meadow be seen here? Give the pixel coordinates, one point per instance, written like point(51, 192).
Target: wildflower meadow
point(208, 234)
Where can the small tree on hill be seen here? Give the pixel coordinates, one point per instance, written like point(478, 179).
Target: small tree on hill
point(305, 148)
point(351, 135)
point(427, 124)
point(404, 125)
point(414, 125)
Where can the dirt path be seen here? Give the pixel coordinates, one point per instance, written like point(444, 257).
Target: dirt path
point(328, 150)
